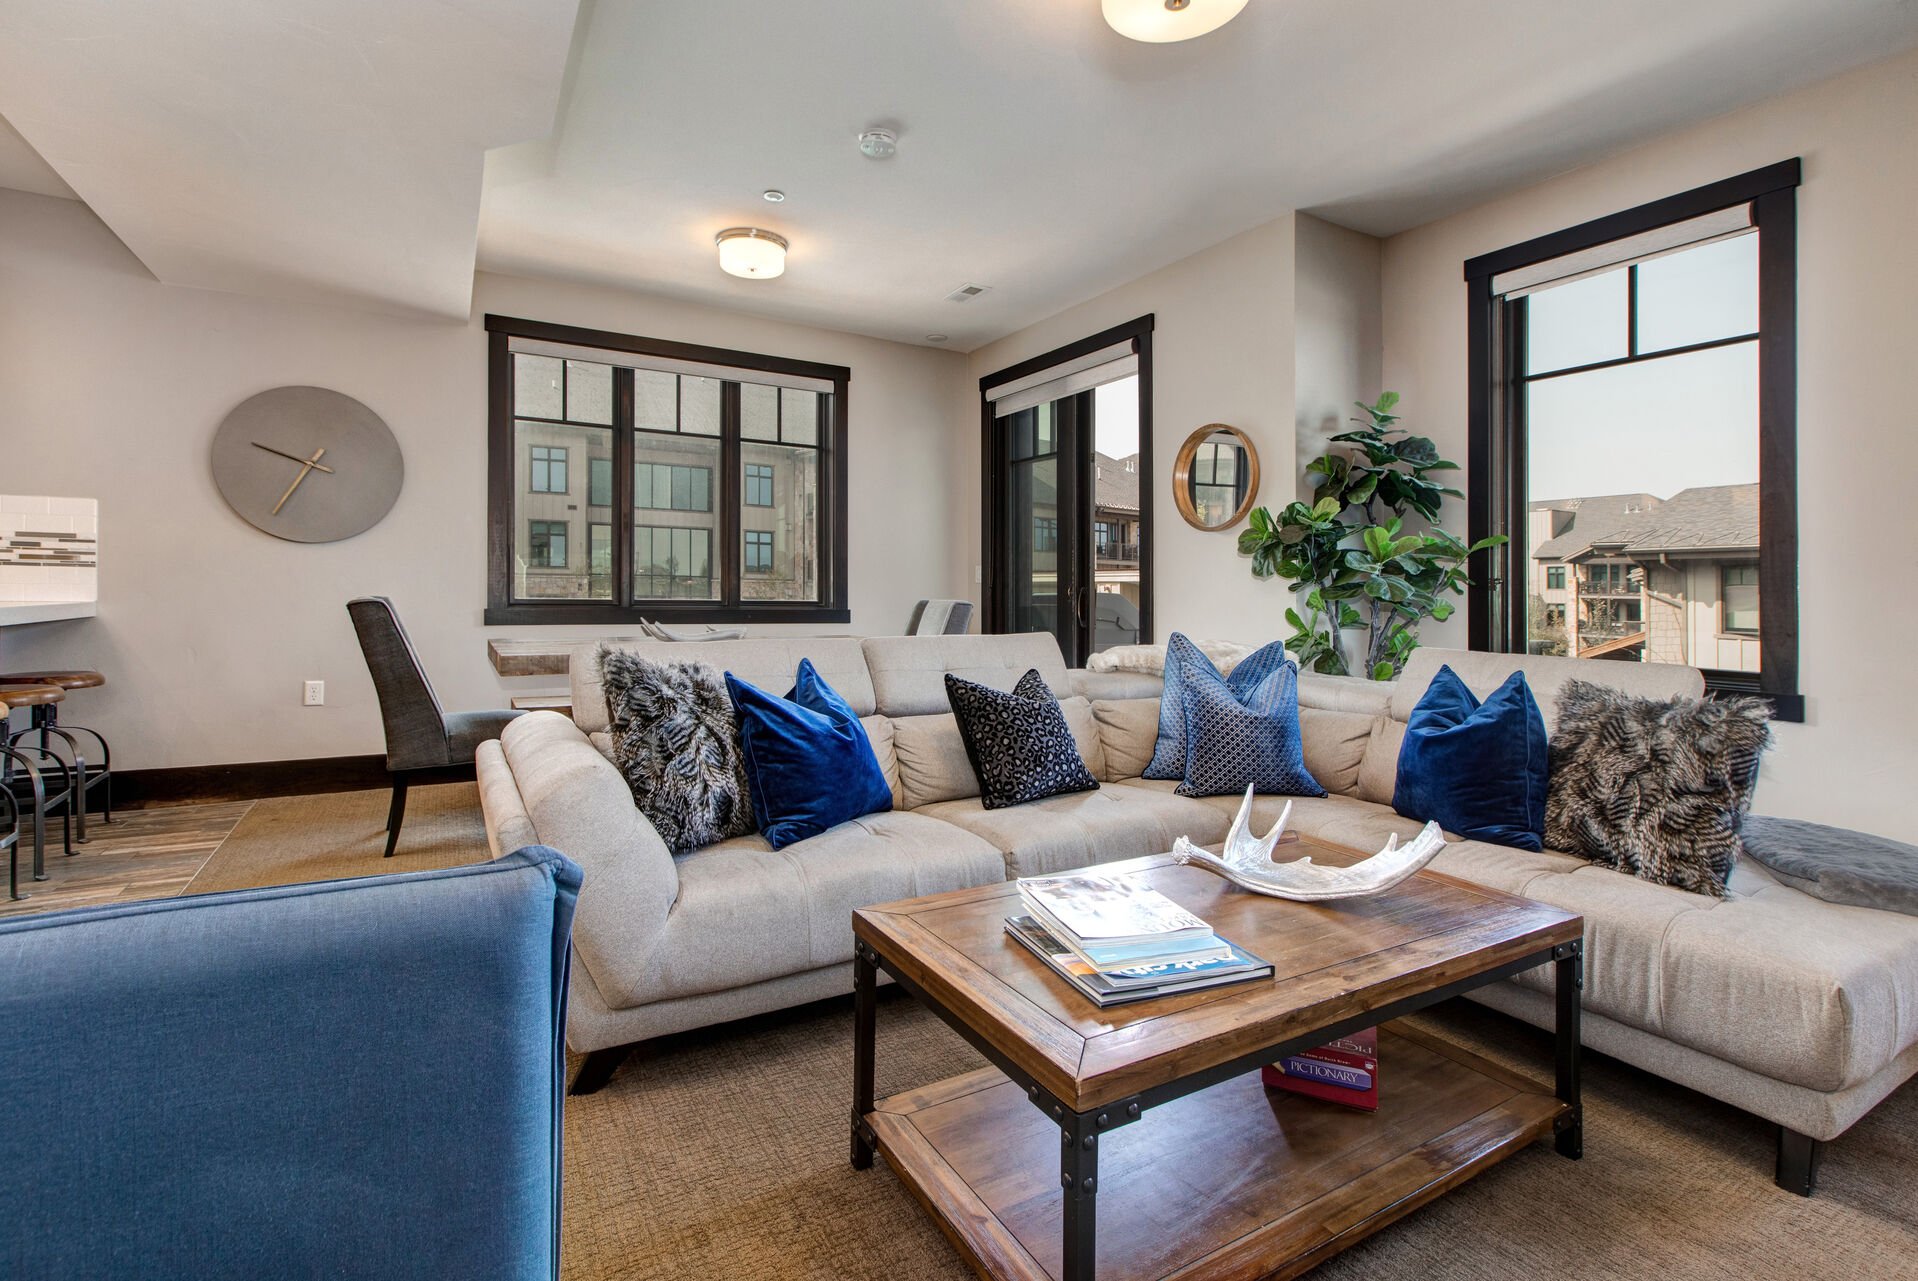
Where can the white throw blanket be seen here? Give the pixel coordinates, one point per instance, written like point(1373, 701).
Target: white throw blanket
point(1150, 659)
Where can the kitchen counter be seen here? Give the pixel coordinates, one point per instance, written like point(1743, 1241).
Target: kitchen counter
point(15, 612)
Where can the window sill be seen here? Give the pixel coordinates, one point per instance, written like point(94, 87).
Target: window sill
point(587, 613)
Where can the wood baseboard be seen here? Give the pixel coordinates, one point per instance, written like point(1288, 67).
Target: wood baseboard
point(256, 780)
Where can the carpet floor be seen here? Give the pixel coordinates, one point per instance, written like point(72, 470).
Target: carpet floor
point(287, 840)
point(722, 1152)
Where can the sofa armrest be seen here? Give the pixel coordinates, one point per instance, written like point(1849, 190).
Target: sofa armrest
point(577, 803)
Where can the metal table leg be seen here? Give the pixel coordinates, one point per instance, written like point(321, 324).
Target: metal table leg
point(1079, 1176)
point(1570, 959)
point(865, 993)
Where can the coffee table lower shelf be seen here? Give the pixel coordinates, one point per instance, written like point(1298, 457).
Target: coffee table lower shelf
point(1233, 1181)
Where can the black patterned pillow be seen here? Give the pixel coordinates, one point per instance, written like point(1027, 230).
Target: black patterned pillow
point(1019, 743)
point(675, 741)
point(1655, 788)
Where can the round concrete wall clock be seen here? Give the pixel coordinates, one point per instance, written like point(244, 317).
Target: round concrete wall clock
point(307, 464)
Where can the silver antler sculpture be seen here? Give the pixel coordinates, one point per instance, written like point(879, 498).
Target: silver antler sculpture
point(1246, 861)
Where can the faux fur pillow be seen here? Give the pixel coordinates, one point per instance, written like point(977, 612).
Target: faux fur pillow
point(1654, 788)
point(675, 741)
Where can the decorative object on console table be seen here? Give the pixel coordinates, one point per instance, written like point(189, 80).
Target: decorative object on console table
point(1247, 862)
point(307, 464)
point(1348, 547)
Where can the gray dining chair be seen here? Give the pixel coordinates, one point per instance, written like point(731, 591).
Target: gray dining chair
point(419, 736)
point(940, 618)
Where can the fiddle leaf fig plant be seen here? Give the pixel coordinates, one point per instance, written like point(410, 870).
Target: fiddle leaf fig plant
point(1348, 553)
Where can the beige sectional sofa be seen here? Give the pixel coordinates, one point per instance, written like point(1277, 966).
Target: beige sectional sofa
point(1801, 1011)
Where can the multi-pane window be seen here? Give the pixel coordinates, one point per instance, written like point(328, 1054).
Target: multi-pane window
point(549, 469)
point(710, 480)
point(672, 563)
point(759, 551)
point(546, 543)
point(1045, 533)
point(667, 487)
point(1555, 578)
point(1102, 537)
point(1629, 373)
point(1738, 598)
point(759, 485)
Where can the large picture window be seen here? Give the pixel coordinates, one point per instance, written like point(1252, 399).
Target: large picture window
point(1634, 436)
point(713, 481)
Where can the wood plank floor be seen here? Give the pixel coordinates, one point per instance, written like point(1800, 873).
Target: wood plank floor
point(150, 853)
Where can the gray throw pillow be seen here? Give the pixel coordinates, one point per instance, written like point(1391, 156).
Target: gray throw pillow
point(1834, 864)
point(1655, 788)
point(675, 741)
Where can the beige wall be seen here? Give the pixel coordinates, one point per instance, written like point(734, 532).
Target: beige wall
point(1338, 315)
point(1857, 330)
point(111, 386)
point(1221, 352)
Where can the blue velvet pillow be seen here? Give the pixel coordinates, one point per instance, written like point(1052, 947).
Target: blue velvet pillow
point(808, 760)
point(1185, 662)
point(1238, 740)
point(1477, 769)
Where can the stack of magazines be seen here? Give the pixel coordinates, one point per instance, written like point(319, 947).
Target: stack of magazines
point(1118, 941)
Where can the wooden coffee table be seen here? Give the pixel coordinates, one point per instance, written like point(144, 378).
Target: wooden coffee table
point(1154, 1110)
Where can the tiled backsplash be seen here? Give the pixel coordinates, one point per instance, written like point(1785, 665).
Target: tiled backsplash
point(49, 548)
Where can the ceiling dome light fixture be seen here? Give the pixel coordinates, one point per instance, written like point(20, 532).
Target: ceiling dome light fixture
point(883, 144)
point(1164, 21)
point(751, 252)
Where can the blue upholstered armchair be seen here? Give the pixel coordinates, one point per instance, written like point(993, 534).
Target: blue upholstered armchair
point(353, 1078)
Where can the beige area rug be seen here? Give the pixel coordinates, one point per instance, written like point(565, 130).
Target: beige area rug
point(722, 1153)
point(289, 839)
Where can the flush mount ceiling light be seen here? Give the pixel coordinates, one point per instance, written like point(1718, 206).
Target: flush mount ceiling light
point(751, 252)
point(774, 196)
point(1164, 21)
point(881, 144)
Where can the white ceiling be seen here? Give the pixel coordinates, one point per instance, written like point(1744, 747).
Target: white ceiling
point(334, 148)
point(1049, 158)
point(321, 149)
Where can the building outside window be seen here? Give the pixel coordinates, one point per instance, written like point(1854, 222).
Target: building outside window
point(759, 550)
point(1555, 578)
point(714, 481)
point(759, 485)
point(549, 470)
point(546, 540)
point(1738, 599)
point(1045, 534)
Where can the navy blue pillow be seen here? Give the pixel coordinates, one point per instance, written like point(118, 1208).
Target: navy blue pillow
point(1237, 740)
point(1186, 662)
point(1477, 769)
point(808, 760)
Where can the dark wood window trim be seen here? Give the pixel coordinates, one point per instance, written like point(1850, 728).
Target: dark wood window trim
point(1495, 460)
point(502, 609)
point(1139, 333)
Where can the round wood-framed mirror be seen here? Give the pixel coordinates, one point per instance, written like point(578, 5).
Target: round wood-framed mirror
point(1216, 478)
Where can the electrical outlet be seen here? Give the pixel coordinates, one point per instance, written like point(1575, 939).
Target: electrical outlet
point(315, 695)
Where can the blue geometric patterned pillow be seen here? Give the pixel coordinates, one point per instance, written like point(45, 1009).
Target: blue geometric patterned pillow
point(1235, 741)
point(1185, 662)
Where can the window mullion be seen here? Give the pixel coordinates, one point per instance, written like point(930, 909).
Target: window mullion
point(623, 452)
point(727, 498)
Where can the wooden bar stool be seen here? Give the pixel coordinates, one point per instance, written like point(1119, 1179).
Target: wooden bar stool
point(15, 761)
point(45, 722)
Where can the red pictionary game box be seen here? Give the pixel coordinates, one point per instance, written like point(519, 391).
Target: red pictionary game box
point(1345, 1071)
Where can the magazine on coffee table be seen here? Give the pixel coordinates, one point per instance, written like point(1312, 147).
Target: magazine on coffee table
point(1112, 911)
point(1142, 983)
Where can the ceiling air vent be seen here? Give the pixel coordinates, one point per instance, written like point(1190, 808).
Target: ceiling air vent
point(966, 293)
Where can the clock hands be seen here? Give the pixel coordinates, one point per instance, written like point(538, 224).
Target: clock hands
point(306, 465)
point(295, 457)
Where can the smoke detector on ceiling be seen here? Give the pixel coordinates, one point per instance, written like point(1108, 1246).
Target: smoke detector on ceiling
point(879, 144)
point(966, 293)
